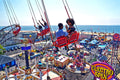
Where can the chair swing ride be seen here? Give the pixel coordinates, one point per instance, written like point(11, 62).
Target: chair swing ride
point(35, 21)
point(63, 41)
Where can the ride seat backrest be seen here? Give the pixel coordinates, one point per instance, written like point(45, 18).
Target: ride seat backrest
point(74, 37)
point(61, 41)
point(44, 32)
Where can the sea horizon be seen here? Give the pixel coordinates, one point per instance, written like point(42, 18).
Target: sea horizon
point(77, 25)
point(79, 28)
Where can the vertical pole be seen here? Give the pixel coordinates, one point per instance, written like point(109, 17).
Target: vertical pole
point(35, 64)
point(26, 59)
point(15, 77)
point(40, 75)
point(18, 67)
point(47, 67)
point(26, 56)
point(112, 57)
point(6, 73)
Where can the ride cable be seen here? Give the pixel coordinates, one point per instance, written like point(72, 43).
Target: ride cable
point(13, 17)
point(68, 11)
point(39, 8)
point(8, 12)
point(32, 14)
point(69, 8)
point(44, 11)
point(44, 32)
point(13, 12)
point(63, 41)
point(18, 28)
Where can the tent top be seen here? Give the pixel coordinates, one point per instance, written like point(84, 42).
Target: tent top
point(102, 46)
point(93, 42)
point(83, 41)
point(5, 59)
point(103, 58)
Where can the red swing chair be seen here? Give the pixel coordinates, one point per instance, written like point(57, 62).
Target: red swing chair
point(60, 42)
point(15, 32)
point(64, 41)
point(73, 38)
point(44, 32)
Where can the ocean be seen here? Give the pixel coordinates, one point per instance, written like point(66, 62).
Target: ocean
point(85, 28)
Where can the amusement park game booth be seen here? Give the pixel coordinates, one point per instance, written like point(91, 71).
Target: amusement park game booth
point(61, 61)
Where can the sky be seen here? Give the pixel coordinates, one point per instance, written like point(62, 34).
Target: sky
point(85, 12)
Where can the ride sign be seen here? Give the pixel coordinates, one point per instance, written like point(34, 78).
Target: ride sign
point(102, 70)
point(26, 48)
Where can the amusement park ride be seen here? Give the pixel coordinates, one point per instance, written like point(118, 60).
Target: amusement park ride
point(34, 72)
point(63, 41)
point(14, 28)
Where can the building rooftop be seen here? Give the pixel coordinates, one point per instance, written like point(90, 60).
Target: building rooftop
point(5, 59)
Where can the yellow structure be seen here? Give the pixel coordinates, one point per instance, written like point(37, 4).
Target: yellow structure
point(103, 38)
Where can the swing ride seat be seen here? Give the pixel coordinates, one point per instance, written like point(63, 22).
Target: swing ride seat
point(63, 41)
point(44, 32)
point(60, 42)
point(73, 38)
point(15, 32)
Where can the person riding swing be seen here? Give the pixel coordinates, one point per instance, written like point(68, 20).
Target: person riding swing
point(40, 27)
point(45, 24)
point(60, 33)
point(71, 27)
